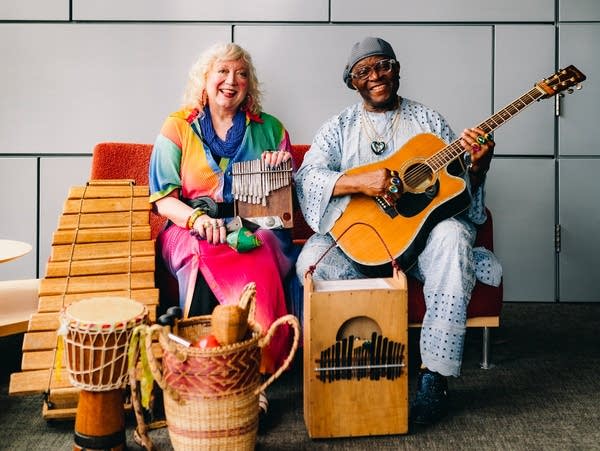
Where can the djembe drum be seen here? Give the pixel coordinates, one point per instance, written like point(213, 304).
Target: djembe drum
point(96, 333)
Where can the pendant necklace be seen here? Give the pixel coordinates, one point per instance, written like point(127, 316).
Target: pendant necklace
point(378, 141)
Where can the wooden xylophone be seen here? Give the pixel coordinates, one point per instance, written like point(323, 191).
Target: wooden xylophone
point(263, 192)
point(102, 247)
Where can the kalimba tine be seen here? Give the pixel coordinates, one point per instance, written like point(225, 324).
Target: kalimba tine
point(263, 193)
point(102, 247)
point(355, 357)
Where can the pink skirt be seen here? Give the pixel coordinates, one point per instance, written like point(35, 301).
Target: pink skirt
point(227, 272)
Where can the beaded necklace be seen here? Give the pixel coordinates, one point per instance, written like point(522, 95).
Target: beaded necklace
point(379, 141)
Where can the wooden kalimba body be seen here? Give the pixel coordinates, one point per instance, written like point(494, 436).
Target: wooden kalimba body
point(355, 357)
point(263, 193)
point(102, 247)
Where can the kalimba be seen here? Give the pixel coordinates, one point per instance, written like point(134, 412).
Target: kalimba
point(102, 247)
point(355, 357)
point(263, 194)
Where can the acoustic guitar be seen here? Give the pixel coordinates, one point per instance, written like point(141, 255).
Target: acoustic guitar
point(372, 232)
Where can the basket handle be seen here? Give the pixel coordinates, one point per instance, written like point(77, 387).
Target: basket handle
point(155, 367)
point(264, 341)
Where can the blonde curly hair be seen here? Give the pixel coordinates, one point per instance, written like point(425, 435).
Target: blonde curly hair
point(193, 94)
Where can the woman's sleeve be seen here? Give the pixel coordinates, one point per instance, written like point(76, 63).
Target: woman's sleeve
point(165, 162)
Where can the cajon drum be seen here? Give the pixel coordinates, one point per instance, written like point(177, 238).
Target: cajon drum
point(355, 357)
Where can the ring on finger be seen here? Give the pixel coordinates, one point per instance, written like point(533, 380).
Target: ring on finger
point(482, 139)
point(475, 147)
point(393, 189)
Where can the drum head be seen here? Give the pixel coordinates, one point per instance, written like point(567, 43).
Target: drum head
point(104, 310)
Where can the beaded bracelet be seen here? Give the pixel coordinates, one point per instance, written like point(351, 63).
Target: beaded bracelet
point(195, 215)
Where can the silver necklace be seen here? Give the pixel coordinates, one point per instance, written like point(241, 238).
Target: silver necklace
point(378, 141)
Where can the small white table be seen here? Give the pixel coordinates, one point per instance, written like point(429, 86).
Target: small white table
point(9, 249)
point(18, 298)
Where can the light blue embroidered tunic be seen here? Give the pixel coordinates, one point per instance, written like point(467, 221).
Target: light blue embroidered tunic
point(448, 265)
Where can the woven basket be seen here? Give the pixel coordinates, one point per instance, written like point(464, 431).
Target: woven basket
point(211, 395)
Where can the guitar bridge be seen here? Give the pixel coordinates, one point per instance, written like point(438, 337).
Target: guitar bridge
point(387, 208)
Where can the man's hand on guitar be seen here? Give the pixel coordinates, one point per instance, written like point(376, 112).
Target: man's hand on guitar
point(379, 182)
point(480, 146)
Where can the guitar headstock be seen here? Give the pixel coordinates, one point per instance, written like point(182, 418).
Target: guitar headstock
point(562, 80)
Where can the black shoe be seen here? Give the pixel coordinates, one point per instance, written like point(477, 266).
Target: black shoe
point(431, 401)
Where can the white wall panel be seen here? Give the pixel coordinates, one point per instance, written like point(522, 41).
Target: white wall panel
point(57, 175)
point(67, 87)
point(524, 54)
point(579, 10)
point(301, 70)
point(579, 44)
point(34, 10)
point(579, 217)
point(520, 195)
point(442, 11)
point(18, 213)
point(187, 10)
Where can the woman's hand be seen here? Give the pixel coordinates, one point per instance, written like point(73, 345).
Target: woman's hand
point(274, 158)
point(210, 229)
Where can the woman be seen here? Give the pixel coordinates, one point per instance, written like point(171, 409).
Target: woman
point(190, 172)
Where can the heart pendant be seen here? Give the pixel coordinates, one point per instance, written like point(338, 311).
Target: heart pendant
point(377, 147)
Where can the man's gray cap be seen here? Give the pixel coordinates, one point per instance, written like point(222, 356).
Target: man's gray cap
point(369, 46)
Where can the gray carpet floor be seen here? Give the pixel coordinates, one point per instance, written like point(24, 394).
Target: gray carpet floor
point(543, 393)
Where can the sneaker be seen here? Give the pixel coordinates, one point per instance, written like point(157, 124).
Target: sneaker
point(430, 403)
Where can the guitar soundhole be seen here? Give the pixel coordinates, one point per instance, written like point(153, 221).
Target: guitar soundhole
point(417, 178)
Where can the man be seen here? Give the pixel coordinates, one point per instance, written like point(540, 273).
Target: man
point(367, 132)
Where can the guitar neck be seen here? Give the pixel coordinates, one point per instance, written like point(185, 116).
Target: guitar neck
point(454, 150)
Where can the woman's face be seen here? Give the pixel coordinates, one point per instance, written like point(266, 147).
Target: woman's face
point(227, 85)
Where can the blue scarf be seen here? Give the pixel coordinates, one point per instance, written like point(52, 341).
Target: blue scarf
point(229, 147)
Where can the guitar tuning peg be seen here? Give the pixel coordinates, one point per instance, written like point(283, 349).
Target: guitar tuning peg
point(570, 90)
point(578, 86)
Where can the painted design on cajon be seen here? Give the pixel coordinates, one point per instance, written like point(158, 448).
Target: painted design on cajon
point(357, 357)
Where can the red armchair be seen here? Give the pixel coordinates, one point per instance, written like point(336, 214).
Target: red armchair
point(130, 161)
